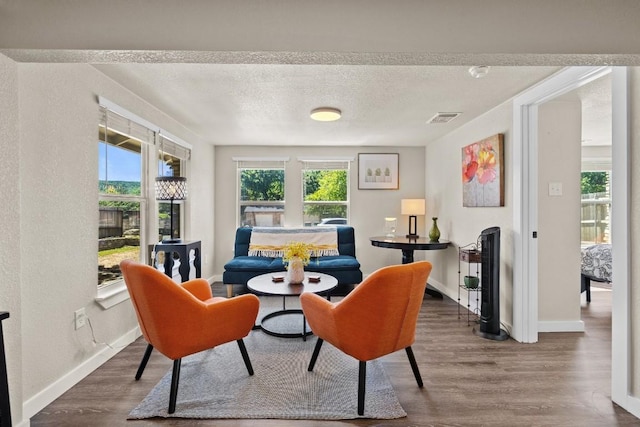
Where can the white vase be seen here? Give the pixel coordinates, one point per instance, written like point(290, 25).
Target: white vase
point(295, 271)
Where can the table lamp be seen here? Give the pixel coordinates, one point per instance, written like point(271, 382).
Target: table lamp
point(171, 188)
point(413, 207)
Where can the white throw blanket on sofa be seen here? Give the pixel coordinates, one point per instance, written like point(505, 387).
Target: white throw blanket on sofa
point(271, 241)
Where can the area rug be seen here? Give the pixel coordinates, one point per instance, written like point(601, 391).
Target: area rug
point(215, 383)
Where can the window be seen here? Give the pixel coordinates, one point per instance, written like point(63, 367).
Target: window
point(325, 186)
point(122, 150)
point(261, 191)
point(596, 208)
point(172, 159)
point(131, 152)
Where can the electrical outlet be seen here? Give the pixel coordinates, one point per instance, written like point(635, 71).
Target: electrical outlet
point(80, 317)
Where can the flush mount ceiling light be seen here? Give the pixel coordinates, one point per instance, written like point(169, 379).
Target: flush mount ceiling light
point(479, 71)
point(325, 114)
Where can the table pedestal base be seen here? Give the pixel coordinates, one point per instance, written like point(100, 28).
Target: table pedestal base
point(407, 258)
point(408, 245)
point(304, 334)
point(432, 292)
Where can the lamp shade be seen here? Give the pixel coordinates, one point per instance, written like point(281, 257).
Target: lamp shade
point(413, 206)
point(171, 188)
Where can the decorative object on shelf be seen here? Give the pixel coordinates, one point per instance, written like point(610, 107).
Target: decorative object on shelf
point(483, 172)
point(413, 207)
point(378, 171)
point(434, 233)
point(471, 256)
point(471, 282)
point(171, 188)
point(296, 256)
point(390, 225)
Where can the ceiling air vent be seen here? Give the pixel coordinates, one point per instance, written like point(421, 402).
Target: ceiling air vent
point(443, 117)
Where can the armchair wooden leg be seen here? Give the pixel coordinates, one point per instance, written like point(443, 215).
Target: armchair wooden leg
point(143, 362)
point(245, 356)
point(229, 291)
point(175, 378)
point(414, 366)
point(314, 356)
point(362, 378)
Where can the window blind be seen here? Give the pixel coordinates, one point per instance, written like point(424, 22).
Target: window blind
point(126, 127)
point(325, 164)
point(168, 146)
point(260, 162)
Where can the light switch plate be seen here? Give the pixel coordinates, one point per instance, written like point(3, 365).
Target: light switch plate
point(555, 189)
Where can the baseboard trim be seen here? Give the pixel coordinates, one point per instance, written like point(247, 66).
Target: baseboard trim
point(632, 405)
point(561, 326)
point(508, 327)
point(439, 287)
point(38, 402)
point(22, 423)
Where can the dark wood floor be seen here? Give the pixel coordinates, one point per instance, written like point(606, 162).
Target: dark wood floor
point(563, 380)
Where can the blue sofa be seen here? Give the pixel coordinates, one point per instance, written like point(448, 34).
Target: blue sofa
point(344, 267)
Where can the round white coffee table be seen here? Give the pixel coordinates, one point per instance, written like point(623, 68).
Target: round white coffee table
point(265, 285)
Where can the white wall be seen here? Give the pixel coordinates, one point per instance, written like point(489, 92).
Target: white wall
point(368, 208)
point(559, 146)
point(57, 234)
point(50, 268)
point(10, 257)
point(559, 222)
point(634, 231)
point(463, 225)
point(200, 208)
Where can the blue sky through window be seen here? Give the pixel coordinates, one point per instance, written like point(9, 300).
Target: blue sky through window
point(123, 165)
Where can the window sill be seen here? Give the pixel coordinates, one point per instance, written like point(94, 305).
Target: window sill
point(112, 295)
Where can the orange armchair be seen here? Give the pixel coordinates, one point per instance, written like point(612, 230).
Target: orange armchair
point(377, 318)
point(183, 319)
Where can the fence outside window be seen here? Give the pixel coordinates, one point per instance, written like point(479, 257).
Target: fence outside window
point(594, 218)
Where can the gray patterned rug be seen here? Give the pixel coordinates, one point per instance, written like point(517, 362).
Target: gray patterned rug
point(215, 383)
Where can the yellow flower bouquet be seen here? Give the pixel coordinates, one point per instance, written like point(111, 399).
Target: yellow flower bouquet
point(299, 250)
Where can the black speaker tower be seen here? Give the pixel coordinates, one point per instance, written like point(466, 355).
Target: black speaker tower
point(490, 283)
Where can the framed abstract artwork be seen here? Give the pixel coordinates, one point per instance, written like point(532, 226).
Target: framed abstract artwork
point(378, 171)
point(483, 172)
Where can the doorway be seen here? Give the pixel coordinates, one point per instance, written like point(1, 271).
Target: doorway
point(524, 156)
point(593, 103)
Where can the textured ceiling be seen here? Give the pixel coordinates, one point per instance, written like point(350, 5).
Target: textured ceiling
point(269, 104)
point(249, 72)
point(596, 112)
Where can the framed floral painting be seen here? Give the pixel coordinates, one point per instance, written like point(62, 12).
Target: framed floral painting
point(483, 172)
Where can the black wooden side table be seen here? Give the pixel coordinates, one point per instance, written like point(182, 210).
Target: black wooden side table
point(408, 245)
point(182, 249)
